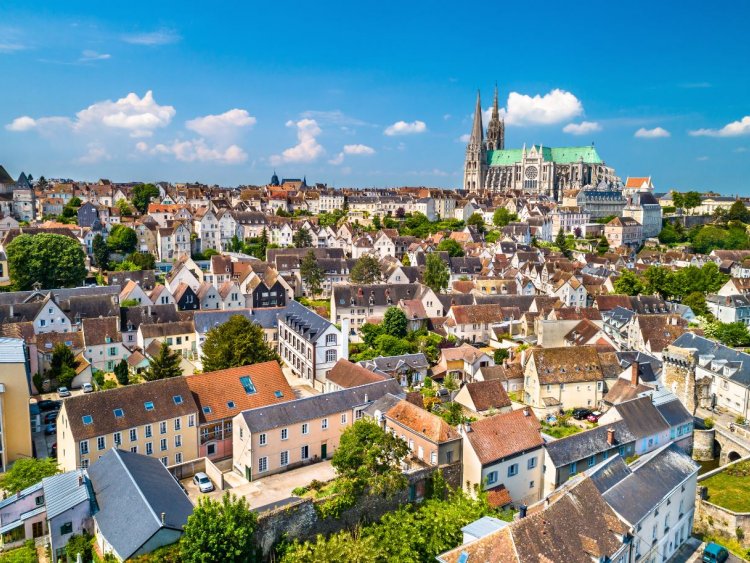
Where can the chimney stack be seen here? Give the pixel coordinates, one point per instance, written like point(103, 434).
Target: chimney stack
point(634, 374)
point(163, 518)
point(611, 436)
point(522, 511)
point(344, 353)
point(526, 411)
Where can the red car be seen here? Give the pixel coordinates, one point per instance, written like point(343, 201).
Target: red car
point(594, 416)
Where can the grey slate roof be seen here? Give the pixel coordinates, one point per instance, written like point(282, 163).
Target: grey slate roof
point(305, 322)
point(13, 297)
point(300, 410)
point(674, 412)
point(585, 444)
point(641, 417)
point(386, 364)
point(648, 366)
point(266, 317)
point(133, 491)
point(65, 491)
point(12, 351)
point(718, 352)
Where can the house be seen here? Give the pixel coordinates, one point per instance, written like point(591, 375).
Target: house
point(208, 296)
point(624, 231)
point(474, 323)
point(220, 395)
point(70, 502)
point(644, 421)
point(276, 438)
point(133, 294)
point(345, 375)
point(505, 452)
point(23, 516)
point(103, 347)
point(140, 505)
point(186, 298)
point(462, 363)
point(309, 344)
point(484, 397)
point(179, 336)
point(157, 418)
point(409, 370)
point(15, 419)
point(510, 375)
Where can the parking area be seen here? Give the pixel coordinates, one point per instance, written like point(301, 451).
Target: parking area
point(268, 490)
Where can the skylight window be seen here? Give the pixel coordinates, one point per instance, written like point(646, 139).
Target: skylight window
point(206, 410)
point(149, 405)
point(247, 383)
point(177, 399)
point(278, 394)
point(119, 413)
point(230, 404)
point(88, 419)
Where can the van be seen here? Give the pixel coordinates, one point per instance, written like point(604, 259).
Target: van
point(715, 553)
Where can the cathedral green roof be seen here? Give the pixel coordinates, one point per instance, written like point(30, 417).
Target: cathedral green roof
point(558, 155)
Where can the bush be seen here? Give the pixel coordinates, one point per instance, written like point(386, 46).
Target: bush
point(740, 420)
point(299, 491)
point(708, 423)
point(99, 378)
point(109, 384)
point(79, 543)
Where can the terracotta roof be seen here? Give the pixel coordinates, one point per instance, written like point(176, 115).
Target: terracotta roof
point(490, 313)
point(465, 352)
point(567, 364)
point(498, 497)
point(45, 342)
point(423, 422)
point(218, 389)
point(609, 302)
point(505, 435)
point(462, 286)
point(659, 331)
point(502, 373)
point(347, 374)
point(582, 333)
point(101, 331)
point(488, 395)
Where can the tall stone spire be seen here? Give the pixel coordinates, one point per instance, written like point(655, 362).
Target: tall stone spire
point(495, 128)
point(477, 131)
point(475, 165)
point(495, 109)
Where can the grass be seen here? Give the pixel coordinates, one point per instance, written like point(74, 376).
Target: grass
point(560, 430)
point(730, 489)
point(24, 554)
point(732, 544)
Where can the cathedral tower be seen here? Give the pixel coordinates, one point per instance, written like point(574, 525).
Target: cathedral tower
point(495, 129)
point(475, 165)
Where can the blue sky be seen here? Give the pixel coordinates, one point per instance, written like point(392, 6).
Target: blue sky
point(369, 93)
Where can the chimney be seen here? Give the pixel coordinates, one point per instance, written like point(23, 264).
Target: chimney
point(366, 398)
point(611, 436)
point(163, 518)
point(634, 374)
point(344, 353)
point(526, 411)
point(522, 511)
point(80, 479)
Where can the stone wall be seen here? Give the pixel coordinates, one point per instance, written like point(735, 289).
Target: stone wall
point(300, 520)
point(703, 444)
point(679, 374)
point(714, 519)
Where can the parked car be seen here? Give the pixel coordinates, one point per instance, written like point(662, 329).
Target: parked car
point(63, 392)
point(581, 414)
point(48, 405)
point(87, 387)
point(203, 482)
point(715, 553)
point(50, 429)
point(551, 419)
point(50, 417)
point(594, 416)
point(53, 450)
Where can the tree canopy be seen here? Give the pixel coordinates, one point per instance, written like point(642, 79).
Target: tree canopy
point(436, 274)
point(366, 270)
point(502, 217)
point(395, 323)
point(122, 239)
point(164, 365)
point(477, 221)
point(52, 260)
point(450, 246)
point(302, 238)
point(27, 471)
point(141, 196)
point(237, 342)
point(312, 274)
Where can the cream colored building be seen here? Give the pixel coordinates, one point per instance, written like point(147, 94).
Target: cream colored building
point(15, 391)
point(158, 418)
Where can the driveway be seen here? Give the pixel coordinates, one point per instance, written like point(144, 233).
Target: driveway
point(692, 552)
point(268, 490)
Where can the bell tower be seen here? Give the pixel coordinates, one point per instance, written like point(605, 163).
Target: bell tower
point(495, 128)
point(475, 164)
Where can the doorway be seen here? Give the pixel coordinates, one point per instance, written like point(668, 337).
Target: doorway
point(324, 451)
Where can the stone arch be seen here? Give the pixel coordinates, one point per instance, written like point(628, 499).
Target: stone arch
point(733, 456)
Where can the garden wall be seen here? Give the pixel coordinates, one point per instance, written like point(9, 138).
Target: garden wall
point(300, 520)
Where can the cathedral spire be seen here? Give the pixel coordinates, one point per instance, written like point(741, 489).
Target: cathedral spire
point(477, 131)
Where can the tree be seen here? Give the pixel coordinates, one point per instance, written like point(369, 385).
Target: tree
point(477, 221)
point(164, 365)
point(238, 342)
point(436, 274)
point(220, 531)
point(121, 373)
point(387, 345)
point(628, 284)
point(302, 238)
point(124, 208)
point(80, 544)
point(376, 222)
point(144, 260)
point(312, 274)
point(400, 213)
point(561, 242)
point(100, 251)
point(603, 245)
point(450, 246)
point(732, 334)
point(62, 356)
point(122, 239)
point(263, 244)
point(141, 196)
point(659, 280)
point(52, 260)
point(678, 200)
point(365, 271)
point(405, 261)
point(369, 454)
point(395, 323)
point(739, 212)
point(501, 354)
point(27, 471)
point(502, 217)
point(697, 302)
point(692, 200)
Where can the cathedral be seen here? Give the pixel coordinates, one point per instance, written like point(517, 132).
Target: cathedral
point(491, 168)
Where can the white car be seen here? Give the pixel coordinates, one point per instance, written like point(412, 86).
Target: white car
point(87, 387)
point(203, 482)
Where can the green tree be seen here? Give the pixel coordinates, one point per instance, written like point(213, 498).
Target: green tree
point(144, 260)
point(659, 280)
point(733, 334)
point(628, 284)
point(561, 242)
point(376, 223)
point(122, 239)
point(669, 235)
point(369, 454)
point(405, 261)
point(709, 238)
point(80, 544)
point(436, 274)
point(370, 332)
point(27, 471)
point(220, 531)
point(739, 212)
point(124, 208)
point(692, 200)
point(603, 245)
point(395, 323)
point(365, 271)
point(100, 251)
point(697, 302)
point(678, 200)
point(477, 221)
point(52, 260)
point(238, 342)
point(164, 365)
point(501, 354)
point(62, 356)
point(450, 246)
point(341, 546)
point(502, 217)
point(387, 345)
point(121, 373)
point(141, 196)
point(312, 274)
point(263, 244)
point(66, 376)
point(492, 237)
point(302, 238)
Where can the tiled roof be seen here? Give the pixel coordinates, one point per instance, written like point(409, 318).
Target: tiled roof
point(101, 331)
point(567, 364)
point(161, 330)
point(488, 395)
point(423, 422)
point(347, 374)
point(505, 435)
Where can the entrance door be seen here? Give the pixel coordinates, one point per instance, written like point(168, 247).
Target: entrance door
point(324, 451)
point(248, 473)
point(37, 529)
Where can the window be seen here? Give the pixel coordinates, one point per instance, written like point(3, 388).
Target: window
point(330, 356)
point(531, 463)
point(573, 468)
point(66, 528)
point(324, 423)
point(84, 447)
point(101, 443)
point(284, 433)
point(206, 410)
point(230, 404)
point(87, 419)
point(262, 464)
point(163, 444)
point(304, 452)
point(592, 461)
point(163, 427)
point(148, 431)
point(531, 484)
point(39, 501)
point(492, 477)
point(177, 399)
point(178, 457)
point(134, 449)
point(330, 340)
point(118, 438)
point(262, 439)
point(622, 451)
point(605, 455)
point(284, 458)
point(305, 428)
point(149, 448)
point(149, 405)
point(177, 424)
point(119, 413)
point(247, 384)
point(278, 394)
point(178, 441)
point(133, 434)
point(513, 470)
point(343, 418)
point(164, 461)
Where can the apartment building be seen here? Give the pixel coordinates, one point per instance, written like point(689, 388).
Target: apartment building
point(15, 390)
point(158, 418)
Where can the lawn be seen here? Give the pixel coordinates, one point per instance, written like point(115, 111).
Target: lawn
point(25, 554)
point(730, 488)
point(560, 430)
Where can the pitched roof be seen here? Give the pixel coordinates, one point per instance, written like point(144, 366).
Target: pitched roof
point(642, 417)
point(347, 374)
point(65, 490)
point(161, 330)
point(587, 443)
point(567, 364)
point(101, 331)
point(505, 435)
point(488, 395)
point(423, 422)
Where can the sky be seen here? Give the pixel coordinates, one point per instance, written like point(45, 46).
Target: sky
point(359, 94)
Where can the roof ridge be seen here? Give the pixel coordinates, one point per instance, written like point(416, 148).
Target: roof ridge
point(137, 487)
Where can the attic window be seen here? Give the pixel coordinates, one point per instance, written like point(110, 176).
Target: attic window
point(149, 405)
point(278, 394)
point(119, 413)
point(230, 404)
point(177, 399)
point(206, 410)
point(247, 384)
point(87, 419)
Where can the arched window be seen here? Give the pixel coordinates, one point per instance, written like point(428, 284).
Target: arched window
point(330, 356)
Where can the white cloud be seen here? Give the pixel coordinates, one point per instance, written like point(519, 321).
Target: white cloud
point(11, 47)
point(404, 128)
point(95, 153)
point(196, 150)
point(582, 128)
point(360, 150)
point(734, 129)
point(335, 117)
point(464, 138)
point(702, 158)
point(224, 125)
point(655, 133)
point(554, 107)
point(23, 123)
point(307, 149)
point(159, 37)
point(90, 56)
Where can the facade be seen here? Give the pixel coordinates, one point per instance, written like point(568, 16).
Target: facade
point(69, 501)
point(15, 391)
point(624, 231)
